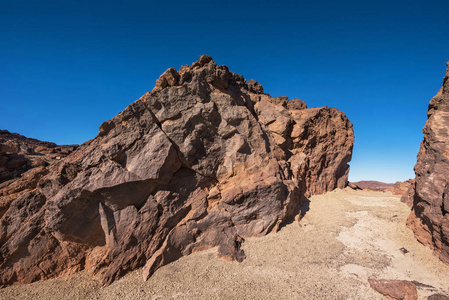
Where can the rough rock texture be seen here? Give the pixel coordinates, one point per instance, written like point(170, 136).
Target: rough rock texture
point(23, 162)
point(409, 195)
point(429, 219)
point(19, 154)
point(395, 289)
point(205, 159)
point(402, 187)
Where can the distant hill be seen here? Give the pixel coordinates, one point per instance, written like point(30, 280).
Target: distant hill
point(398, 188)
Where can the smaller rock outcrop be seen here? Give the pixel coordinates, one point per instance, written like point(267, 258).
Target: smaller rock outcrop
point(19, 154)
point(23, 162)
point(409, 195)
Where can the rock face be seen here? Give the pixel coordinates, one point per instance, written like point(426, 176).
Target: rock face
point(408, 194)
point(205, 159)
point(19, 154)
point(23, 162)
point(429, 219)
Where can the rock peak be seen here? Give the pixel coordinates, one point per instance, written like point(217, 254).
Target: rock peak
point(171, 77)
point(205, 71)
point(204, 59)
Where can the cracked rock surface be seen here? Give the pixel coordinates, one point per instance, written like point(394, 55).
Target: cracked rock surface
point(429, 219)
point(205, 159)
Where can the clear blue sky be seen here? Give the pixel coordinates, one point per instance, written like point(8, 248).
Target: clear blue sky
point(66, 66)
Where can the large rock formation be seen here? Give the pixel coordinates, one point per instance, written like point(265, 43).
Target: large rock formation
point(205, 159)
point(429, 219)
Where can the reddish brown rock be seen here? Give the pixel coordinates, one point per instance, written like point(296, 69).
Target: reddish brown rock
point(429, 218)
point(19, 154)
point(203, 160)
point(402, 187)
point(395, 289)
point(23, 162)
point(409, 194)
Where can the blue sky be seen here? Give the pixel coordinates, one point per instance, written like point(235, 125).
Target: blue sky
point(66, 66)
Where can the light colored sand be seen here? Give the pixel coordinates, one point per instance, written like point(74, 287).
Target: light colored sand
point(345, 238)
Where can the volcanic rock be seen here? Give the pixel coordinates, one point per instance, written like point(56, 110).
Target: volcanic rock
point(429, 218)
point(409, 195)
point(402, 187)
point(395, 289)
point(19, 154)
point(205, 159)
point(23, 162)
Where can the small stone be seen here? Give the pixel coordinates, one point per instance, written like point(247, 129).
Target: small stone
point(395, 289)
point(438, 297)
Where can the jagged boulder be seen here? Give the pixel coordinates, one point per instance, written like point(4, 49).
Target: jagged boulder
point(429, 218)
point(205, 159)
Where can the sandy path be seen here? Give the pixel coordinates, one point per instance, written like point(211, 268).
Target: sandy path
point(345, 238)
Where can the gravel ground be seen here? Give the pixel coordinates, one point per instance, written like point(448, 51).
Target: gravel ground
point(345, 238)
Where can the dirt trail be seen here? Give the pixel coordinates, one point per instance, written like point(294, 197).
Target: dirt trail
point(345, 238)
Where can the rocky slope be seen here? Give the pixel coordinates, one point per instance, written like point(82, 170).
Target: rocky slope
point(205, 159)
point(429, 219)
point(19, 154)
point(23, 162)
